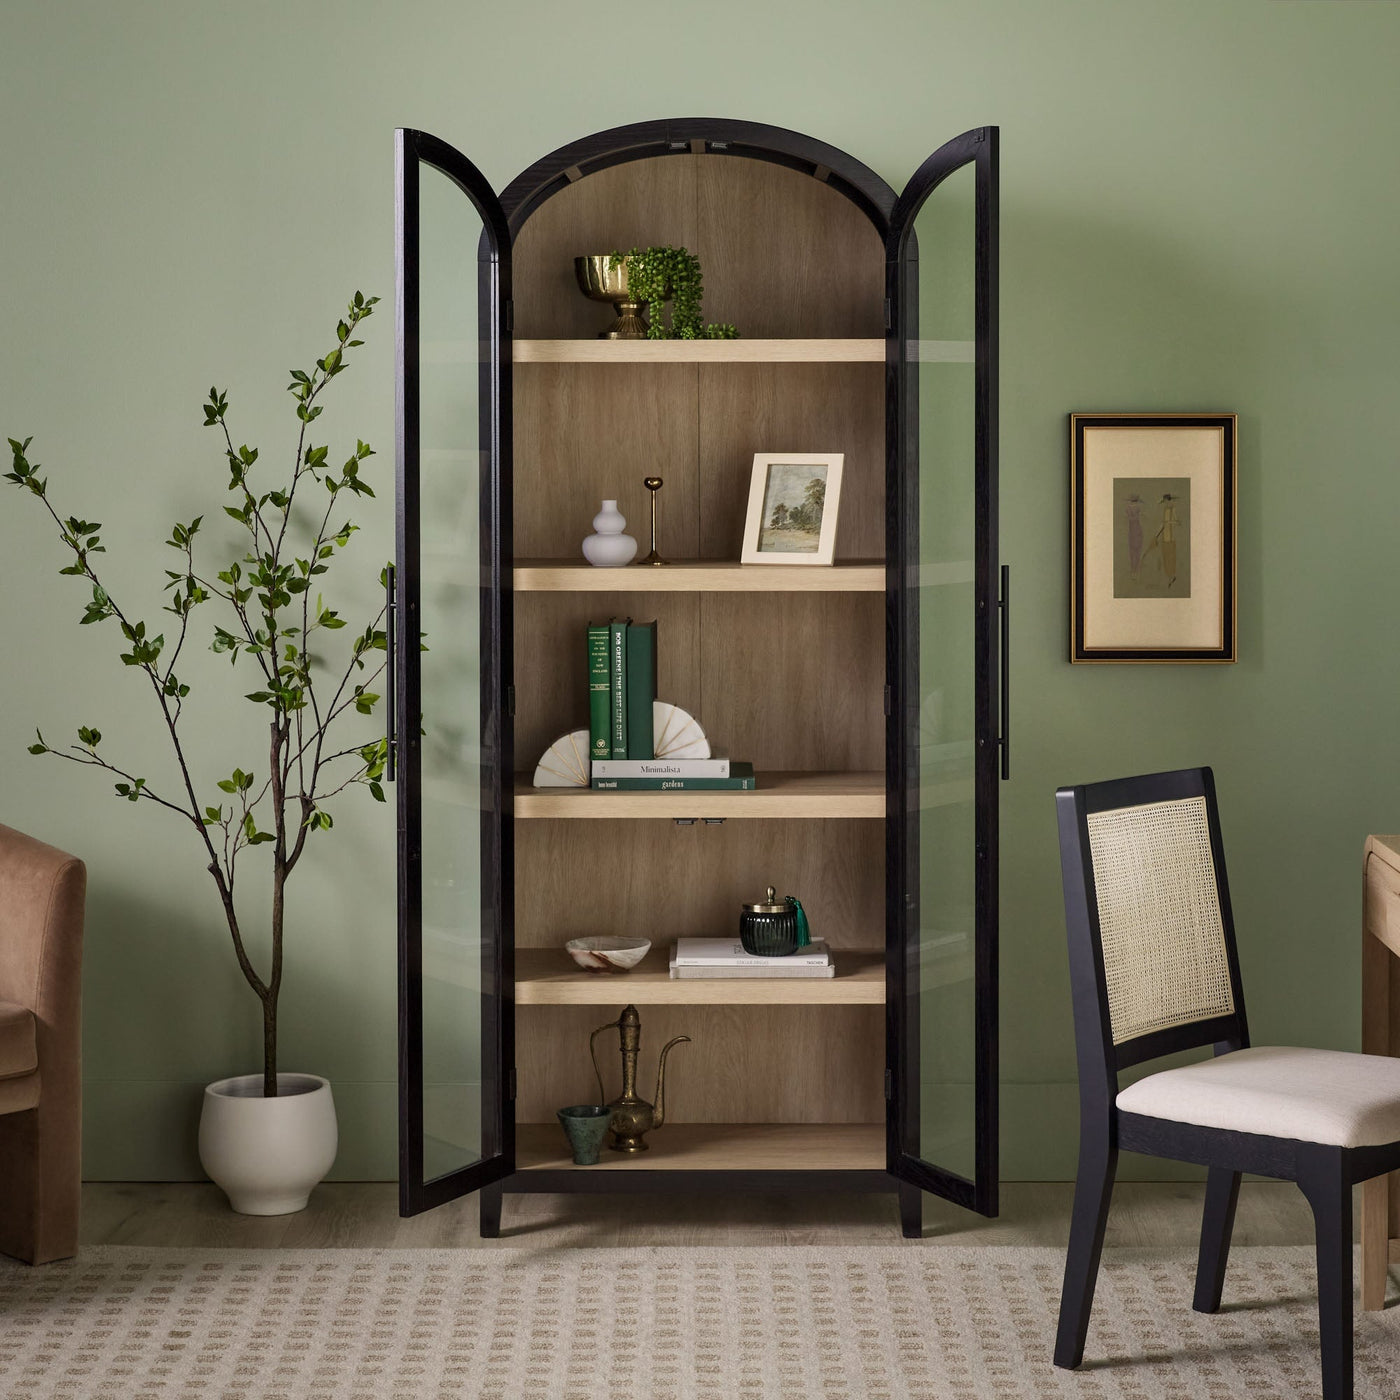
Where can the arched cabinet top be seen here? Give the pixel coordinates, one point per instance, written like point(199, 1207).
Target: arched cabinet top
point(699, 136)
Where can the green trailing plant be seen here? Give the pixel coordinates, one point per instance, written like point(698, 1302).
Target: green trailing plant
point(658, 275)
point(275, 621)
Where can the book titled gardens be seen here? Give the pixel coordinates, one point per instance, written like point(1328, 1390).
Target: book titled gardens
point(635, 742)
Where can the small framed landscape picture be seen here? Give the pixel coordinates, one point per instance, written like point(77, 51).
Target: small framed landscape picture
point(1153, 537)
point(794, 499)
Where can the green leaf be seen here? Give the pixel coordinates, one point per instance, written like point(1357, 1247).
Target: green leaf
point(90, 737)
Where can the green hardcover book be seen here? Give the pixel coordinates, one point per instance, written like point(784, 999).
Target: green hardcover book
point(741, 779)
point(599, 693)
point(641, 689)
point(617, 681)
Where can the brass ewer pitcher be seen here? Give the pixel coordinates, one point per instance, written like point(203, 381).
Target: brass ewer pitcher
point(632, 1117)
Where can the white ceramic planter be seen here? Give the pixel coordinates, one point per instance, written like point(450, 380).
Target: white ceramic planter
point(267, 1154)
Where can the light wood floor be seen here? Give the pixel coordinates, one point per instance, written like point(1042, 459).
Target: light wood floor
point(365, 1215)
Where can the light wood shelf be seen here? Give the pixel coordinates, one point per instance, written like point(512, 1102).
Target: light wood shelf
point(806, 350)
point(719, 1147)
point(722, 576)
point(699, 576)
point(549, 977)
point(712, 352)
point(777, 795)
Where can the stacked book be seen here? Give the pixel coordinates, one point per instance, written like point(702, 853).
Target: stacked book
point(672, 775)
point(725, 957)
point(621, 714)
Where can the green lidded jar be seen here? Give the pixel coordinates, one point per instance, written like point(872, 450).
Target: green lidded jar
point(773, 928)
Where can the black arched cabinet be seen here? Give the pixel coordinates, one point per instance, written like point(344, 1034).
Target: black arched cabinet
point(871, 695)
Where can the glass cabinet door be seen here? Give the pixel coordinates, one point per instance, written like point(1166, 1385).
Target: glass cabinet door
point(450, 614)
point(944, 735)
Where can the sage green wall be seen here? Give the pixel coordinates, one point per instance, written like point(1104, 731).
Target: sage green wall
point(1199, 207)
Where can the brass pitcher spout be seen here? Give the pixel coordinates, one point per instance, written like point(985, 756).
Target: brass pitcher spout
point(659, 1117)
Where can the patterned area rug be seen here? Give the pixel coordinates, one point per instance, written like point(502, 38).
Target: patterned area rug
point(878, 1323)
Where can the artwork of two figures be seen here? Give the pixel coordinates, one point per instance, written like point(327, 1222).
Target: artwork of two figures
point(1151, 537)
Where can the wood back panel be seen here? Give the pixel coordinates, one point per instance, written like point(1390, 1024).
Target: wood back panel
point(784, 254)
point(657, 880)
point(745, 409)
point(643, 204)
point(785, 681)
point(745, 1064)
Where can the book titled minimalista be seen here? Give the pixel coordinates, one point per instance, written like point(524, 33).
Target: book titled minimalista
point(661, 768)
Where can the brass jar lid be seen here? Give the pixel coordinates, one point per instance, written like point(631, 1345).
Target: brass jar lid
point(773, 906)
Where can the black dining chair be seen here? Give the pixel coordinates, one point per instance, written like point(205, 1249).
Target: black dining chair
point(1153, 971)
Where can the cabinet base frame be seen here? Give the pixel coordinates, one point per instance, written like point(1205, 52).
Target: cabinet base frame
point(570, 1181)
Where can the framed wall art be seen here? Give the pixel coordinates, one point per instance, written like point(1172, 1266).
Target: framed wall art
point(794, 500)
point(1152, 556)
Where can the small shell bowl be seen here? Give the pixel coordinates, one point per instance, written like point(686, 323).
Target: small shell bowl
point(608, 953)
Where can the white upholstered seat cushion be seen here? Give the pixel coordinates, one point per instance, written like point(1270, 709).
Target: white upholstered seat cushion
point(1326, 1096)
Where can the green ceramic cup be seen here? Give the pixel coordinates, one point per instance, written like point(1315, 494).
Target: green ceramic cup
point(586, 1125)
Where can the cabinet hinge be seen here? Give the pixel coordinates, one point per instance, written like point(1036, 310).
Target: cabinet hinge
point(510, 1091)
point(510, 701)
point(889, 701)
point(889, 314)
point(889, 1084)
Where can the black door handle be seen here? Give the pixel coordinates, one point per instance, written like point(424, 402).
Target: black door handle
point(1005, 606)
point(391, 671)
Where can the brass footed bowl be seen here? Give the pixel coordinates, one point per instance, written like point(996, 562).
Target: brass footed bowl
point(600, 278)
point(603, 278)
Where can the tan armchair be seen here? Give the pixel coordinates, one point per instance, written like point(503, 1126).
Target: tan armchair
point(41, 946)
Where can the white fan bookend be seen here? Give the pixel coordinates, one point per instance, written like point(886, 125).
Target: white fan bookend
point(565, 763)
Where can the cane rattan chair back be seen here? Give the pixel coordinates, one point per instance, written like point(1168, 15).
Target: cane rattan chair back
point(1163, 940)
point(1156, 925)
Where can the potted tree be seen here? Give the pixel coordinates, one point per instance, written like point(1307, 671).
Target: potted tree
point(267, 1138)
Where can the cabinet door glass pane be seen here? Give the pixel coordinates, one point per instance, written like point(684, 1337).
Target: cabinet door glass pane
point(451, 467)
point(942, 360)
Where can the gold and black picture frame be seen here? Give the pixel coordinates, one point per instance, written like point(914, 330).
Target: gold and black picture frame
point(1152, 549)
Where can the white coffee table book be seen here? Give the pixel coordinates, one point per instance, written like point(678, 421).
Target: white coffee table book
point(725, 957)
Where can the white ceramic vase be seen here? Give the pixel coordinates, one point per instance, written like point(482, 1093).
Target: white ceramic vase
point(267, 1154)
point(608, 547)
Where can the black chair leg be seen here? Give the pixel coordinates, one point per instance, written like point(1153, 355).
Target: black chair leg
point(490, 1203)
point(1222, 1192)
point(1093, 1189)
point(1328, 1190)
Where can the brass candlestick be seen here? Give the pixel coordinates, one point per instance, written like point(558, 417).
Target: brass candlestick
point(653, 484)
